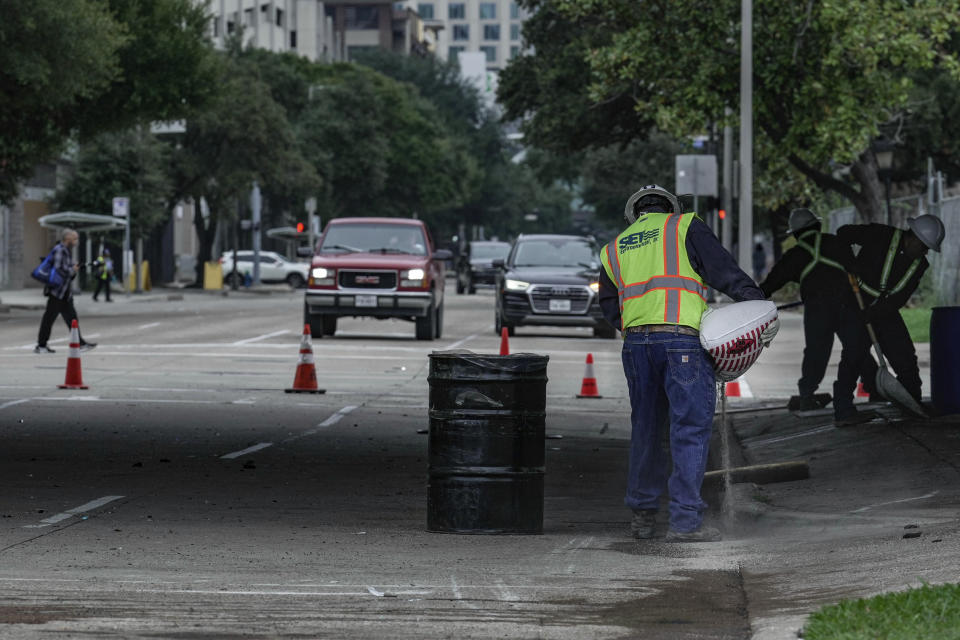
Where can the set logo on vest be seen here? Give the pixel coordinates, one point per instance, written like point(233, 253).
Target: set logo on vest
point(639, 239)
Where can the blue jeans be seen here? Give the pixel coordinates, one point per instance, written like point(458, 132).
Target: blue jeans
point(671, 381)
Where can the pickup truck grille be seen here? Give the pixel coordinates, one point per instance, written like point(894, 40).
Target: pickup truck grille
point(367, 279)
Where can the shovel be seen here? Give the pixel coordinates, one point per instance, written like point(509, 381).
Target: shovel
point(888, 386)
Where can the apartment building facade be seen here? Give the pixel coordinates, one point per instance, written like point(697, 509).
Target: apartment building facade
point(491, 27)
point(322, 30)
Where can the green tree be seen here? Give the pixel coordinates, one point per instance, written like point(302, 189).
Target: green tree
point(131, 163)
point(84, 66)
point(380, 148)
point(242, 136)
point(827, 76)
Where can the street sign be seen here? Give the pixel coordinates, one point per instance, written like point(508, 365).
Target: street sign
point(121, 207)
point(697, 174)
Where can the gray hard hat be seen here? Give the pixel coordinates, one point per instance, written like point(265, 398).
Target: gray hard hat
point(929, 229)
point(802, 219)
point(650, 190)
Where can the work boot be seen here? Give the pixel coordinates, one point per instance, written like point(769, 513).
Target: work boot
point(644, 524)
point(854, 417)
point(701, 534)
point(803, 403)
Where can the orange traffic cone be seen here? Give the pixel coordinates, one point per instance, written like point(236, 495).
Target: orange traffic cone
point(588, 388)
point(504, 342)
point(74, 378)
point(305, 380)
point(861, 392)
point(732, 389)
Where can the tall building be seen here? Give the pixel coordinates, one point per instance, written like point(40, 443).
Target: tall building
point(491, 27)
point(327, 30)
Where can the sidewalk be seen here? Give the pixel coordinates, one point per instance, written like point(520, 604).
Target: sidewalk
point(880, 511)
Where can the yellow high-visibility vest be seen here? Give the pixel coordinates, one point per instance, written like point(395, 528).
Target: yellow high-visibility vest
point(655, 280)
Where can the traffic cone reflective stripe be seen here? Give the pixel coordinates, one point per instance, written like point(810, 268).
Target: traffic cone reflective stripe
point(74, 378)
point(504, 342)
point(588, 388)
point(305, 379)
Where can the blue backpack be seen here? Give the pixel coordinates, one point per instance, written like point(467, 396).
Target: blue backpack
point(46, 274)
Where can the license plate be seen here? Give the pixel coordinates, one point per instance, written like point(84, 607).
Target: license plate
point(366, 301)
point(559, 305)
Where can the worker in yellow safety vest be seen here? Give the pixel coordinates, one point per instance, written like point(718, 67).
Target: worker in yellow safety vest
point(653, 288)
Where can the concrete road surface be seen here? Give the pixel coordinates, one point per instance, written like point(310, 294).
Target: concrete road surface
point(185, 495)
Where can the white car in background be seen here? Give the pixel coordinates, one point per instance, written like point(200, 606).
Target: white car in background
point(273, 268)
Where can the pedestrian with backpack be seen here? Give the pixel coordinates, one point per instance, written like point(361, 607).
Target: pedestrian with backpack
point(58, 271)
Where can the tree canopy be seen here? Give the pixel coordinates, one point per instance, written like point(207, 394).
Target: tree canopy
point(828, 77)
point(80, 67)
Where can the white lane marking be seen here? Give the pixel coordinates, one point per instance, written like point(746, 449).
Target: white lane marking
point(149, 325)
point(259, 338)
point(457, 595)
point(14, 402)
point(883, 504)
point(121, 400)
point(463, 341)
point(237, 454)
point(69, 513)
point(802, 434)
point(374, 592)
point(410, 592)
point(57, 341)
point(337, 417)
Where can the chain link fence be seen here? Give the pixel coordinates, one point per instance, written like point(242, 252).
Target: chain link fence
point(944, 272)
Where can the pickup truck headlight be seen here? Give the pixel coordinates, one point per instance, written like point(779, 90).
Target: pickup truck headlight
point(595, 287)
point(322, 277)
point(412, 278)
point(517, 285)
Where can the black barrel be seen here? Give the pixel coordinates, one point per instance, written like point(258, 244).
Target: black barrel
point(945, 359)
point(487, 420)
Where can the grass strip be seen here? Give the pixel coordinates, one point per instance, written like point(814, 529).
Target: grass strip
point(924, 612)
point(918, 323)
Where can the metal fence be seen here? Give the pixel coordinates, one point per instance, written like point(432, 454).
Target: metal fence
point(944, 272)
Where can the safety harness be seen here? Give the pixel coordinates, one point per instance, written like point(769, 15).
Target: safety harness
point(887, 266)
point(815, 253)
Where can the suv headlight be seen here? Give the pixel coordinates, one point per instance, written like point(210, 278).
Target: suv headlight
point(595, 287)
point(322, 277)
point(517, 285)
point(412, 278)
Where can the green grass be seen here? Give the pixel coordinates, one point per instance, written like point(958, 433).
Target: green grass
point(923, 613)
point(918, 323)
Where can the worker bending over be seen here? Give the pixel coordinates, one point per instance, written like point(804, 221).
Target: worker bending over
point(653, 287)
point(819, 263)
point(888, 267)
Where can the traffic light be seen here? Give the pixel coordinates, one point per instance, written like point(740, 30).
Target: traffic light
point(301, 227)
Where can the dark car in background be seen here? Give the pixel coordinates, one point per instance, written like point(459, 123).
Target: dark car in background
point(475, 266)
point(550, 280)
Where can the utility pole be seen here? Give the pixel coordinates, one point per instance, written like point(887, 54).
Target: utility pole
point(726, 203)
point(745, 237)
point(255, 202)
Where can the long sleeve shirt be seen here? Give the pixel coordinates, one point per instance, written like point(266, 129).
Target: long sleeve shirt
point(874, 241)
point(63, 265)
point(709, 259)
point(824, 283)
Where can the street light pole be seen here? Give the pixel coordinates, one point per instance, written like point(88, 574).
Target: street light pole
point(745, 237)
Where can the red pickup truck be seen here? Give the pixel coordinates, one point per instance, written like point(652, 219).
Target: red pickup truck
point(377, 267)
